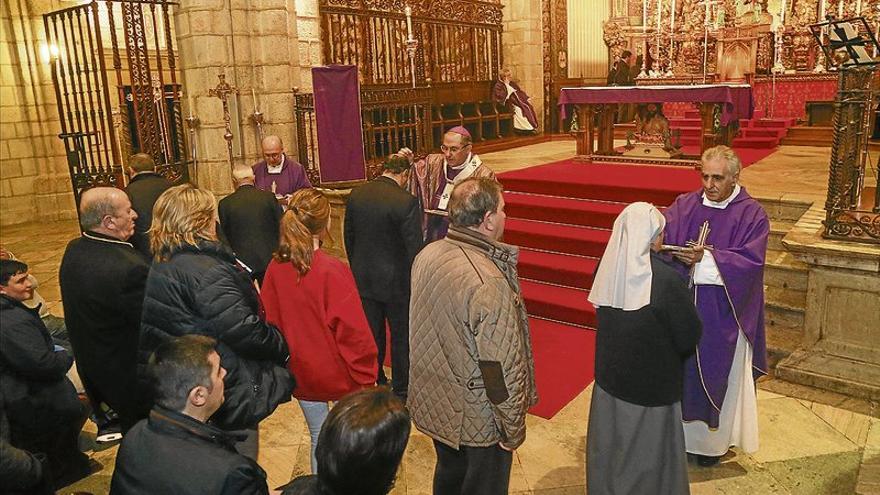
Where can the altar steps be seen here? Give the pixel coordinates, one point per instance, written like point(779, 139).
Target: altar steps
point(803, 135)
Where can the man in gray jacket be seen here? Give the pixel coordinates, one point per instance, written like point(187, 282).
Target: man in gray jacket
point(471, 371)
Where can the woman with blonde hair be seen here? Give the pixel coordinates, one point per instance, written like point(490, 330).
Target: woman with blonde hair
point(311, 296)
point(196, 287)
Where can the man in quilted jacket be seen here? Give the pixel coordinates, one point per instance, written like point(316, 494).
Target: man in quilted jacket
point(471, 371)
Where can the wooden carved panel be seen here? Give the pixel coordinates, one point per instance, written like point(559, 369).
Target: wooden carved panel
point(459, 40)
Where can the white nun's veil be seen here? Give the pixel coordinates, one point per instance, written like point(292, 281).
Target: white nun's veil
point(623, 280)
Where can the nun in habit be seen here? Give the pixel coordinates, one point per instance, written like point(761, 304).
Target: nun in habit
point(647, 326)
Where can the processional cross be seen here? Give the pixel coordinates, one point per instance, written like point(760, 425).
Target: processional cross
point(222, 91)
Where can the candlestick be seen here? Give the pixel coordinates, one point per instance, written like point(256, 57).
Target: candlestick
point(672, 18)
point(659, 13)
point(409, 31)
point(644, 16)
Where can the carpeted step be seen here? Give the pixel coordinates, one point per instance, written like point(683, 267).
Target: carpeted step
point(561, 210)
point(771, 132)
point(756, 142)
point(558, 303)
point(778, 123)
point(697, 122)
point(692, 114)
point(559, 238)
point(560, 269)
point(601, 182)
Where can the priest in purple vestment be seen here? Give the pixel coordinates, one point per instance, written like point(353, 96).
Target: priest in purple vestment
point(506, 91)
point(433, 177)
point(719, 406)
point(277, 172)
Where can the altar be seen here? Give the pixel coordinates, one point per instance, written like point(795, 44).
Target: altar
point(721, 108)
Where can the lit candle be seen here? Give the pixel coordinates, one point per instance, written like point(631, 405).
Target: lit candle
point(672, 19)
point(821, 11)
point(858, 7)
point(192, 105)
point(409, 32)
point(644, 16)
point(782, 15)
point(840, 9)
point(254, 96)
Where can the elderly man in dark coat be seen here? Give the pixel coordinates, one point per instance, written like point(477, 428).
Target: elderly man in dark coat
point(249, 220)
point(143, 191)
point(102, 281)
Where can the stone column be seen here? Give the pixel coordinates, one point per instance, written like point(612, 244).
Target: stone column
point(255, 44)
point(521, 40)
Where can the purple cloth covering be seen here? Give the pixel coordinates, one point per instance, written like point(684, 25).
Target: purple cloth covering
point(738, 238)
point(338, 115)
point(292, 177)
point(737, 101)
point(518, 98)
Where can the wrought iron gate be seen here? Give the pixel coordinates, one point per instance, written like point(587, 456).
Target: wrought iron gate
point(132, 43)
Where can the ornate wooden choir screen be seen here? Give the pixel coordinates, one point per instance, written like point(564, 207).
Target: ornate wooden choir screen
point(459, 40)
point(102, 123)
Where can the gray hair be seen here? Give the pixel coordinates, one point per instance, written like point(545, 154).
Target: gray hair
point(94, 205)
point(241, 173)
point(721, 152)
point(471, 199)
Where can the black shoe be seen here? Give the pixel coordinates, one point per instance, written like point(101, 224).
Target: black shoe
point(76, 470)
point(708, 460)
point(109, 432)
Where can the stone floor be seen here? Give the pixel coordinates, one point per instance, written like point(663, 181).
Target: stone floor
point(812, 442)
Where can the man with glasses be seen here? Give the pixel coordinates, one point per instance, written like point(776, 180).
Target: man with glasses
point(277, 172)
point(433, 177)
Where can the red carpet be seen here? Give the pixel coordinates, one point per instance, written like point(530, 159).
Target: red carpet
point(560, 214)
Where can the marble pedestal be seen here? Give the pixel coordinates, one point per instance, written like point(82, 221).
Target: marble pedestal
point(841, 347)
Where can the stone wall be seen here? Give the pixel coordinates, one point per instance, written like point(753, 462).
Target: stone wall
point(34, 182)
point(521, 40)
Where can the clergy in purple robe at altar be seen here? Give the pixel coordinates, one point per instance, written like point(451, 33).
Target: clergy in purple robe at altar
point(719, 406)
point(277, 172)
point(506, 91)
point(433, 177)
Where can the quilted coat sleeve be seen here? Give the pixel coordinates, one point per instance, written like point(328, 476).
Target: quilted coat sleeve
point(494, 319)
point(352, 333)
point(224, 306)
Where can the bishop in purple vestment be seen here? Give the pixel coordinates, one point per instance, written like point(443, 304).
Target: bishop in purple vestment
point(278, 173)
point(727, 279)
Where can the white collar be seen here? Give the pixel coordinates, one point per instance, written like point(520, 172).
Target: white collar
point(723, 203)
point(277, 168)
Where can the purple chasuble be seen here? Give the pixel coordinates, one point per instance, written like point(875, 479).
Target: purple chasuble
point(438, 226)
point(518, 98)
point(738, 237)
point(291, 179)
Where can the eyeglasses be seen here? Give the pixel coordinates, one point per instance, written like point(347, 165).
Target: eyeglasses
point(452, 149)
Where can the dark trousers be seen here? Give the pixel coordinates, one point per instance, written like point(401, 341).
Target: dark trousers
point(471, 470)
point(397, 315)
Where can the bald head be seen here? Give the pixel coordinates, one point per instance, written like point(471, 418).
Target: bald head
point(273, 149)
point(107, 210)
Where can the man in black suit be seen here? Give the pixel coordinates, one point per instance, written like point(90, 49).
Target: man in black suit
point(102, 280)
point(383, 234)
point(144, 189)
point(249, 220)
